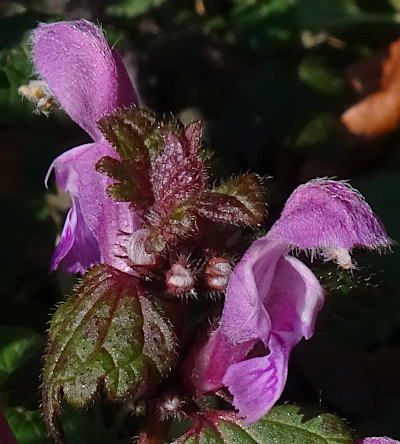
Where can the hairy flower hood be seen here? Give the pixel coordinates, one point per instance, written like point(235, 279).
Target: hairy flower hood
point(89, 81)
point(328, 213)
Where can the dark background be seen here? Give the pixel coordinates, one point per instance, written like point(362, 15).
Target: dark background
point(269, 79)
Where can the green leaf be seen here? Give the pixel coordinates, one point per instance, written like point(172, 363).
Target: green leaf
point(238, 201)
point(27, 425)
point(104, 335)
point(317, 130)
point(132, 8)
point(395, 4)
point(319, 77)
point(324, 15)
point(15, 69)
point(17, 345)
point(337, 14)
point(83, 427)
point(282, 425)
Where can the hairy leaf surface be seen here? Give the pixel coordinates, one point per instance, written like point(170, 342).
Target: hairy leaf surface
point(238, 201)
point(103, 336)
point(282, 425)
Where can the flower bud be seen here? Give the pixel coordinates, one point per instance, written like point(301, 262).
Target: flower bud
point(218, 271)
point(170, 407)
point(180, 279)
point(135, 248)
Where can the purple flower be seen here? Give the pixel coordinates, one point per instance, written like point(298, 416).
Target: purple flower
point(330, 217)
point(6, 435)
point(378, 440)
point(272, 299)
point(89, 80)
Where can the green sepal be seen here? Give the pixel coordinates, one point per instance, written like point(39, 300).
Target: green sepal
point(104, 336)
point(282, 425)
point(238, 201)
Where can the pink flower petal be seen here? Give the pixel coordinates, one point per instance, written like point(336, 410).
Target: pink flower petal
point(95, 215)
point(292, 302)
point(326, 213)
point(378, 440)
point(205, 368)
point(77, 247)
point(256, 384)
point(270, 298)
point(244, 317)
point(85, 75)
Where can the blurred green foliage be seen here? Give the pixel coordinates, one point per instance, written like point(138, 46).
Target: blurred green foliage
point(269, 78)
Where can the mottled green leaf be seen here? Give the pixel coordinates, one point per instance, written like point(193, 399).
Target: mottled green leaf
point(104, 335)
point(238, 201)
point(17, 345)
point(282, 425)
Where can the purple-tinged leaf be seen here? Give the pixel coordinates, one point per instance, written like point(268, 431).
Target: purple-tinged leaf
point(193, 133)
point(165, 230)
point(176, 173)
point(132, 132)
point(238, 201)
point(106, 335)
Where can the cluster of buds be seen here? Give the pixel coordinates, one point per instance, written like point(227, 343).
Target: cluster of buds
point(181, 278)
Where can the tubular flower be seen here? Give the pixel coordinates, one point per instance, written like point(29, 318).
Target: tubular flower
point(89, 80)
point(272, 299)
